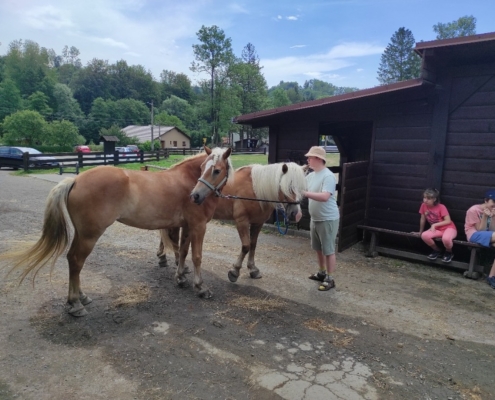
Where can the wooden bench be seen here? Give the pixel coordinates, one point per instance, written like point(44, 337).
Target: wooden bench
point(473, 269)
point(63, 167)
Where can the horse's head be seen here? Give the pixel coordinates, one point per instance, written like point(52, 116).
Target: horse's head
point(292, 183)
point(216, 170)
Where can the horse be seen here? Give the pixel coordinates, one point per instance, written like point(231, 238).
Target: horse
point(95, 199)
point(275, 183)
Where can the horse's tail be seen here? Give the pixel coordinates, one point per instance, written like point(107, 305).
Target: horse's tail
point(170, 240)
point(54, 238)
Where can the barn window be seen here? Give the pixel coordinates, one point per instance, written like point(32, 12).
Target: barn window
point(184, 144)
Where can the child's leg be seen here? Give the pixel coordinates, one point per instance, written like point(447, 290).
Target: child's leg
point(448, 236)
point(428, 236)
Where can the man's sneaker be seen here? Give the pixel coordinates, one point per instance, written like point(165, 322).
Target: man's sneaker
point(491, 281)
point(433, 255)
point(447, 257)
point(319, 276)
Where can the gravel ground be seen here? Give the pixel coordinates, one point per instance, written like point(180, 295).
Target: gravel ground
point(390, 330)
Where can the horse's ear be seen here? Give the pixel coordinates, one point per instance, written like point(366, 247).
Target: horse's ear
point(285, 168)
point(227, 152)
point(208, 150)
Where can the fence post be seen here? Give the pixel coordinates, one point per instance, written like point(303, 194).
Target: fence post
point(115, 158)
point(264, 151)
point(25, 161)
point(80, 159)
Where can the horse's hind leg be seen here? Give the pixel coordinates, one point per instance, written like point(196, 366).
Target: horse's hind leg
point(243, 230)
point(76, 256)
point(162, 257)
point(254, 233)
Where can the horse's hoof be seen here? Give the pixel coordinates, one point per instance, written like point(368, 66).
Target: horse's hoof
point(78, 310)
point(85, 300)
point(232, 276)
point(205, 294)
point(182, 282)
point(163, 263)
point(255, 275)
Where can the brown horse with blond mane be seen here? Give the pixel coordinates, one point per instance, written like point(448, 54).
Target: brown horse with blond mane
point(254, 195)
point(95, 199)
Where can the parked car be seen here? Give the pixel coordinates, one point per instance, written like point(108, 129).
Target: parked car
point(11, 156)
point(125, 152)
point(331, 149)
point(133, 147)
point(82, 149)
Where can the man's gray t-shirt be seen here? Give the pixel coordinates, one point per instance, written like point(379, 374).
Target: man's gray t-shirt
point(322, 181)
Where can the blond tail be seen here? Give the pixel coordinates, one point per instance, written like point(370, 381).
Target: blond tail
point(54, 238)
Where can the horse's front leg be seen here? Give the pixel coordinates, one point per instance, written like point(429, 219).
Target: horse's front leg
point(185, 240)
point(243, 231)
point(255, 230)
point(76, 256)
point(161, 254)
point(197, 237)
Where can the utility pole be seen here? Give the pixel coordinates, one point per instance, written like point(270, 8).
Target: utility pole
point(152, 138)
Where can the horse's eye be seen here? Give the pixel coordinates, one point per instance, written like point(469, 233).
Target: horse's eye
point(216, 171)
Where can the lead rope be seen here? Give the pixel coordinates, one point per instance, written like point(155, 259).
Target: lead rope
point(285, 219)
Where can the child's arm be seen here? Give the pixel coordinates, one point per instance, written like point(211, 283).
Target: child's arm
point(422, 222)
point(446, 221)
point(482, 224)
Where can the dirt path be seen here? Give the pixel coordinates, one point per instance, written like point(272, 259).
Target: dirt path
point(391, 329)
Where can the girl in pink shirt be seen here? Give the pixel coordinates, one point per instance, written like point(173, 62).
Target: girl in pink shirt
point(440, 225)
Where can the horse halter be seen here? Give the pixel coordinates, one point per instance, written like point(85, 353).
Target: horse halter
point(216, 189)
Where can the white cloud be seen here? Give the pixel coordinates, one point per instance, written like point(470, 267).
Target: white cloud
point(292, 18)
point(319, 65)
point(237, 8)
point(47, 17)
point(297, 46)
point(360, 70)
point(109, 42)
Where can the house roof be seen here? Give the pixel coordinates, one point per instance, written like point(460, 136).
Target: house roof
point(143, 132)
point(479, 48)
point(109, 138)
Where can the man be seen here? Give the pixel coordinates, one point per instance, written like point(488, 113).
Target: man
point(324, 212)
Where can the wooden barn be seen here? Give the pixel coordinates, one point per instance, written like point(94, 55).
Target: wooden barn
point(396, 140)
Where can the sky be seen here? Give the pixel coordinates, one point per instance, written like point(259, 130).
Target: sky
point(337, 41)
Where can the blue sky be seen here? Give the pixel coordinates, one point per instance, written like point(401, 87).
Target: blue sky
point(338, 41)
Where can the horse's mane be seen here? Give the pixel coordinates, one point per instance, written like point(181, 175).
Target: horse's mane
point(268, 180)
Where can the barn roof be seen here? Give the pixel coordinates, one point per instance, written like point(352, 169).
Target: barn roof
point(393, 87)
point(143, 132)
point(480, 48)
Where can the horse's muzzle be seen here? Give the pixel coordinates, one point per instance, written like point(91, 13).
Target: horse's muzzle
point(196, 198)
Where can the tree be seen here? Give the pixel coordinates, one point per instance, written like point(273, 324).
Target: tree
point(24, 127)
point(399, 61)
point(214, 57)
point(174, 84)
point(38, 101)
point(165, 119)
point(279, 98)
point(180, 108)
point(251, 84)
point(67, 106)
point(61, 133)
point(10, 98)
point(464, 26)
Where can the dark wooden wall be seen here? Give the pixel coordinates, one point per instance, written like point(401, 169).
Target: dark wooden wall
point(469, 168)
point(399, 165)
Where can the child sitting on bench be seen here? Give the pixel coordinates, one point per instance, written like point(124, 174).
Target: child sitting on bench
point(440, 225)
point(480, 229)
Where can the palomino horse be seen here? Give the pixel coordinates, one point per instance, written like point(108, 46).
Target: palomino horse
point(97, 198)
point(277, 183)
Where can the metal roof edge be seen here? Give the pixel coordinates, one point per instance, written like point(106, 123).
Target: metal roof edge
point(333, 99)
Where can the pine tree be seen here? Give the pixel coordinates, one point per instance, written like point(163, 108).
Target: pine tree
point(399, 62)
